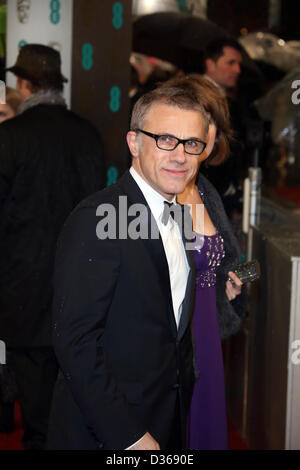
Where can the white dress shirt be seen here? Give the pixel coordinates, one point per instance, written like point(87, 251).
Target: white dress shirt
point(172, 241)
point(173, 246)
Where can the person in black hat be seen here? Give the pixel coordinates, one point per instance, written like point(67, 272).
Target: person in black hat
point(50, 160)
point(38, 69)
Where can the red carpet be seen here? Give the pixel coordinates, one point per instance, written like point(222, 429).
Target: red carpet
point(235, 440)
point(13, 440)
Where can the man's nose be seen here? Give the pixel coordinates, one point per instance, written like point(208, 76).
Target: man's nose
point(178, 154)
point(237, 68)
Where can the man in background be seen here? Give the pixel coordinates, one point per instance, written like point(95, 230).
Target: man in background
point(8, 389)
point(223, 62)
point(50, 159)
point(223, 59)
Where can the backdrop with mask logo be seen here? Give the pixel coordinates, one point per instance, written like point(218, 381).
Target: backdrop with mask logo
point(94, 39)
point(46, 22)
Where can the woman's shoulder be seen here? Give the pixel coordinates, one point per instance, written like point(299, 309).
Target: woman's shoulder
point(207, 190)
point(215, 207)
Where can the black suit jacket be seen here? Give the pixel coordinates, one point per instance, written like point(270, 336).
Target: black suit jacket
point(122, 358)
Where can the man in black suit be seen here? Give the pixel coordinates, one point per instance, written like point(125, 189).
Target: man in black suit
point(123, 304)
point(223, 66)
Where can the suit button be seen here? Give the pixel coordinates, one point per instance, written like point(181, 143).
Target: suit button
point(176, 386)
point(101, 445)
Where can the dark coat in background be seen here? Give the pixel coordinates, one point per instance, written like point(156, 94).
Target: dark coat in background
point(50, 159)
point(230, 314)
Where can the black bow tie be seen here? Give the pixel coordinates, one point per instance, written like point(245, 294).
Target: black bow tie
point(173, 210)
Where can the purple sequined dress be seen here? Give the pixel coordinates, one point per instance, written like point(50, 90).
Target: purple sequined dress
point(207, 422)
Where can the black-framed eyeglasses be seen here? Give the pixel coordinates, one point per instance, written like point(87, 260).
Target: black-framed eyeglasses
point(169, 143)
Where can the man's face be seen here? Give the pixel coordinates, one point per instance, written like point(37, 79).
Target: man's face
point(6, 112)
point(226, 70)
point(168, 172)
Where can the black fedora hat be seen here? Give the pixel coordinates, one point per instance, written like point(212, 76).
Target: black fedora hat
point(39, 64)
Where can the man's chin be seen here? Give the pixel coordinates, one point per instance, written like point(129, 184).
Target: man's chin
point(233, 83)
point(175, 189)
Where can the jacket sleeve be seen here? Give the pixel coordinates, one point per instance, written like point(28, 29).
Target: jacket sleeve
point(7, 169)
point(86, 277)
point(230, 313)
point(97, 161)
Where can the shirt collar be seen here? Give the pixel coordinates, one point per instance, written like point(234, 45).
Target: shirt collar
point(154, 200)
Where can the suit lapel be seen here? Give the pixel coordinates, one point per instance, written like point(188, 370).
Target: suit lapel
point(154, 246)
point(158, 256)
point(188, 303)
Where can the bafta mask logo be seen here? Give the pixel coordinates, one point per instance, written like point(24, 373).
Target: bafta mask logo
point(23, 8)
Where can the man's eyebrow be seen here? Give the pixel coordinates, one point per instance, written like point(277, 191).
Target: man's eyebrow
point(172, 135)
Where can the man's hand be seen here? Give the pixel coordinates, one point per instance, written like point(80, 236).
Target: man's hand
point(232, 290)
point(146, 443)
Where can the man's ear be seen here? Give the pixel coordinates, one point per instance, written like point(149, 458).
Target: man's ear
point(24, 87)
point(133, 143)
point(209, 66)
point(211, 138)
point(18, 83)
point(27, 84)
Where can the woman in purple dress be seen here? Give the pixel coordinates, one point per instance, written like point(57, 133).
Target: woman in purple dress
point(218, 308)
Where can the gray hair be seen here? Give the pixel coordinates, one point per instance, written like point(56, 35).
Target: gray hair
point(180, 93)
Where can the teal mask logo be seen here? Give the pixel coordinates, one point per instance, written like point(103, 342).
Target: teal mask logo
point(87, 56)
point(112, 175)
point(182, 5)
point(117, 15)
point(22, 43)
point(115, 96)
point(55, 11)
